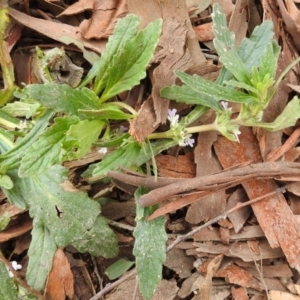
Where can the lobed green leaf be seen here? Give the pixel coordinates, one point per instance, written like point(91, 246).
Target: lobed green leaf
point(60, 218)
point(80, 137)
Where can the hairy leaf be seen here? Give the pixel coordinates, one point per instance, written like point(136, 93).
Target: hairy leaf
point(125, 29)
point(41, 252)
point(287, 118)
point(11, 159)
point(268, 61)
point(203, 92)
point(8, 289)
point(82, 135)
point(62, 97)
point(149, 250)
point(107, 111)
point(124, 157)
point(47, 150)
point(224, 43)
point(69, 217)
point(128, 67)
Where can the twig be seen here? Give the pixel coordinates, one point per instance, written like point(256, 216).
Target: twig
point(167, 187)
point(120, 225)
point(260, 272)
point(111, 286)
point(224, 216)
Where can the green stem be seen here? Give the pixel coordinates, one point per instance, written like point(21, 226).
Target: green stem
point(6, 141)
point(169, 134)
point(127, 107)
point(161, 135)
point(202, 128)
point(9, 124)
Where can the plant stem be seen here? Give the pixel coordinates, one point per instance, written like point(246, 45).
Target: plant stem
point(127, 107)
point(9, 124)
point(6, 141)
point(202, 128)
point(170, 134)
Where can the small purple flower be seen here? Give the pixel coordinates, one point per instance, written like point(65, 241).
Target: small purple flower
point(172, 112)
point(172, 117)
point(224, 104)
point(191, 142)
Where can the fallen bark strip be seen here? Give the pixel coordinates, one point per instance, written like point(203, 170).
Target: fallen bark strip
point(273, 214)
point(168, 187)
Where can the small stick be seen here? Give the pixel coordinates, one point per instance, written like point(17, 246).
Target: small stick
point(224, 216)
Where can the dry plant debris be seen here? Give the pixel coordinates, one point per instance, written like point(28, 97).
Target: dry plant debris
point(242, 251)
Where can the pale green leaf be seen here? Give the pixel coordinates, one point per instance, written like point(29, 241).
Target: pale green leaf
point(149, 250)
point(8, 289)
point(100, 240)
point(41, 252)
point(203, 92)
point(62, 97)
point(124, 157)
point(47, 150)
point(268, 60)
point(125, 29)
point(6, 182)
point(251, 49)
point(158, 146)
point(288, 118)
point(18, 108)
point(107, 111)
point(4, 220)
point(224, 43)
point(6, 140)
point(90, 56)
point(83, 135)
point(118, 268)
point(128, 67)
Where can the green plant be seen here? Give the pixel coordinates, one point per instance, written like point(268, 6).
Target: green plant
point(247, 78)
point(31, 171)
point(32, 175)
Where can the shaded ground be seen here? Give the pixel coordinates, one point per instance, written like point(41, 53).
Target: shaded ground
point(251, 253)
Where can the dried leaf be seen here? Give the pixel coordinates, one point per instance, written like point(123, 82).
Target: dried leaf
point(60, 281)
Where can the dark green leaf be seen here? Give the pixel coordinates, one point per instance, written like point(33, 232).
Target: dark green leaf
point(12, 158)
point(47, 150)
point(62, 97)
point(128, 67)
point(149, 250)
point(123, 157)
point(125, 29)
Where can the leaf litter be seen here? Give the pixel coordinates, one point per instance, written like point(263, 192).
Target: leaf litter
point(252, 253)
